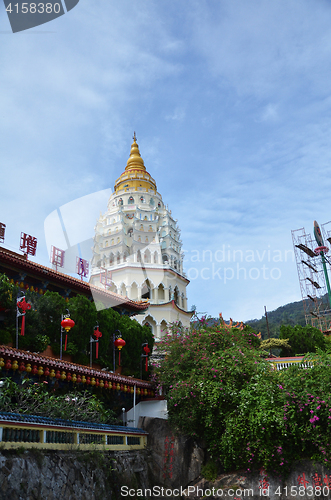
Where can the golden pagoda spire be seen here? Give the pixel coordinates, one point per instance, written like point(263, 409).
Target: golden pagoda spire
point(135, 176)
point(135, 160)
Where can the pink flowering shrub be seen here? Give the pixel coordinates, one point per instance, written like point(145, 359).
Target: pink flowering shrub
point(219, 389)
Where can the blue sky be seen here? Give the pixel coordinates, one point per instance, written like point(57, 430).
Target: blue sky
point(231, 104)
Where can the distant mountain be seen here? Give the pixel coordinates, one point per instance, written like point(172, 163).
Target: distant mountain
point(290, 314)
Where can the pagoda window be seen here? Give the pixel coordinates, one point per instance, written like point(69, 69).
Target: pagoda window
point(159, 205)
point(160, 292)
point(125, 257)
point(111, 259)
point(150, 228)
point(120, 201)
point(106, 243)
point(134, 291)
point(151, 202)
point(138, 256)
point(116, 230)
point(142, 199)
point(145, 218)
point(118, 258)
point(176, 295)
point(131, 200)
point(165, 258)
point(156, 259)
point(141, 227)
point(164, 244)
point(146, 239)
point(109, 232)
point(147, 256)
point(112, 241)
point(118, 240)
point(146, 290)
point(163, 234)
point(139, 239)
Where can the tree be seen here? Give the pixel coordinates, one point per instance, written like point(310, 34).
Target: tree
point(203, 373)
point(302, 339)
point(268, 344)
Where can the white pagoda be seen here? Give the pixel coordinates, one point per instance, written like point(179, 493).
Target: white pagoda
point(137, 249)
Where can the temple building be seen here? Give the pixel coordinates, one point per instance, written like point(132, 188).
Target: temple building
point(137, 249)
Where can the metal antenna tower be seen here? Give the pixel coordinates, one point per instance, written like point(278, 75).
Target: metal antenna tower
point(313, 267)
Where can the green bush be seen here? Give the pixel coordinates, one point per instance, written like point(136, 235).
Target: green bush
point(209, 471)
point(218, 388)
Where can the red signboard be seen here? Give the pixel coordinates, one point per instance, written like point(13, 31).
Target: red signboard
point(105, 277)
point(28, 244)
point(57, 257)
point(2, 232)
point(82, 267)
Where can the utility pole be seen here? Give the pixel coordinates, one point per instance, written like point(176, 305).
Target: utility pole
point(266, 317)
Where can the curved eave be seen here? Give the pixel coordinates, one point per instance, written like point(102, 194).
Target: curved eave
point(174, 306)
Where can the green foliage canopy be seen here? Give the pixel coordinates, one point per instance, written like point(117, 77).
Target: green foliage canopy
point(43, 322)
point(302, 339)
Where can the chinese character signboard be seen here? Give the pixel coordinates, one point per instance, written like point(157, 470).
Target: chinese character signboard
point(105, 277)
point(82, 267)
point(28, 244)
point(57, 257)
point(2, 232)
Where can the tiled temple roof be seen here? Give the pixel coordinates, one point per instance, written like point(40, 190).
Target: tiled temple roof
point(10, 353)
point(13, 262)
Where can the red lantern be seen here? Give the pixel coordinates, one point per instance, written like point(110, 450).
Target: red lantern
point(97, 335)
point(34, 370)
point(106, 384)
point(67, 324)
point(114, 386)
point(88, 380)
point(25, 307)
point(57, 374)
point(21, 367)
point(79, 379)
point(8, 365)
point(46, 372)
point(97, 382)
point(69, 377)
point(147, 351)
point(119, 343)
